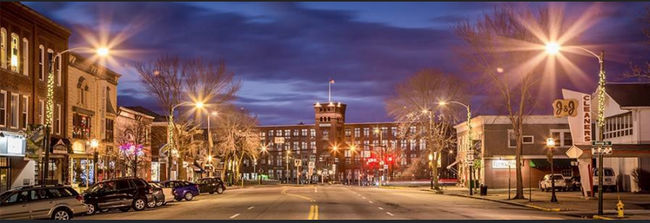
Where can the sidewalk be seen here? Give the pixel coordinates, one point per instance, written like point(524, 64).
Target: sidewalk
point(637, 206)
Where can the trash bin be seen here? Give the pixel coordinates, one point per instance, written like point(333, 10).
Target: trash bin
point(484, 190)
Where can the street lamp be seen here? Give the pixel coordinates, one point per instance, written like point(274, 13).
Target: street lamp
point(550, 143)
point(214, 113)
point(470, 151)
point(170, 134)
point(431, 165)
point(601, 109)
point(49, 113)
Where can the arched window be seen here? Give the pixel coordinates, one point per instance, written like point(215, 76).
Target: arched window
point(82, 91)
point(3, 48)
point(15, 45)
point(41, 62)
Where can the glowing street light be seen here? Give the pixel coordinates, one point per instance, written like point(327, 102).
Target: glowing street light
point(170, 134)
point(469, 138)
point(49, 106)
point(550, 143)
point(552, 48)
point(103, 51)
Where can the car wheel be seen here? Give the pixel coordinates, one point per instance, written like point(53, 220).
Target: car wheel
point(152, 204)
point(179, 199)
point(92, 209)
point(188, 196)
point(61, 214)
point(139, 204)
point(219, 190)
point(125, 209)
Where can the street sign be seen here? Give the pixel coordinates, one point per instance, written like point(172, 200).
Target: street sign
point(565, 107)
point(601, 150)
point(601, 143)
point(278, 140)
point(297, 162)
point(574, 152)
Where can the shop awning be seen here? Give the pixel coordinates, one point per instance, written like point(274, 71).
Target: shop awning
point(60, 146)
point(543, 163)
point(197, 168)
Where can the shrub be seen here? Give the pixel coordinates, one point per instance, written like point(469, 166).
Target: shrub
point(642, 178)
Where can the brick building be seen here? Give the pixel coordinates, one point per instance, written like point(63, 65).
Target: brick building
point(339, 151)
point(28, 41)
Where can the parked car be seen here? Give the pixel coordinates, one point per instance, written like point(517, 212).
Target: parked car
point(560, 183)
point(573, 183)
point(162, 194)
point(211, 185)
point(122, 194)
point(182, 189)
point(41, 202)
point(609, 180)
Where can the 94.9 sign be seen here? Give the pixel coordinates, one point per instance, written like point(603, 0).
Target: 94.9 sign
point(565, 107)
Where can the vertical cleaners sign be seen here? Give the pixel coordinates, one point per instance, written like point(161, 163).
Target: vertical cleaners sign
point(580, 125)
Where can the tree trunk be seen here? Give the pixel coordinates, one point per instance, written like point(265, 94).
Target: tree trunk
point(518, 151)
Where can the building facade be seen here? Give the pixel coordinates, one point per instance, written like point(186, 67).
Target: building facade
point(336, 150)
point(92, 98)
point(28, 42)
point(495, 165)
point(133, 143)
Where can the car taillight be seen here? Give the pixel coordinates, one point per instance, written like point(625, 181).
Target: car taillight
point(80, 198)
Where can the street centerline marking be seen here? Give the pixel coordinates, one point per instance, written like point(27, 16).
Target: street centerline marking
point(251, 207)
point(315, 189)
point(380, 208)
point(391, 214)
point(234, 216)
point(313, 212)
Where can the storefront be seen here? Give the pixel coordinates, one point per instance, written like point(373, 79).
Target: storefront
point(12, 147)
point(81, 165)
point(58, 163)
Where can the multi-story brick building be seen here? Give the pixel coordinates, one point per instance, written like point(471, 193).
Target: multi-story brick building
point(133, 127)
point(339, 151)
point(28, 42)
point(92, 98)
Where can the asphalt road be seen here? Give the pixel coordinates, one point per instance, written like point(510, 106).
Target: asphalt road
point(330, 202)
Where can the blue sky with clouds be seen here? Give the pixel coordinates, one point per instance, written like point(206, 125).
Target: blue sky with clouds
point(285, 53)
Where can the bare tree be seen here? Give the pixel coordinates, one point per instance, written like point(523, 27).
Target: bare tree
point(237, 137)
point(172, 80)
point(187, 146)
point(134, 137)
point(414, 106)
point(498, 47)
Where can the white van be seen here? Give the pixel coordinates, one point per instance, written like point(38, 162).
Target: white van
point(609, 181)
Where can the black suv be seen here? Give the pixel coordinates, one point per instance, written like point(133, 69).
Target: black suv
point(121, 193)
point(211, 185)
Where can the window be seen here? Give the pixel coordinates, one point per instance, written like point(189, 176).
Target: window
point(80, 126)
point(58, 71)
point(123, 184)
point(529, 139)
point(618, 126)
point(304, 132)
point(3, 48)
point(3, 108)
point(287, 133)
point(412, 129)
point(14, 110)
point(423, 144)
point(393, 130)
point(404, 144)
point(384, 131)
point(366, 132)
point(278, 132)
point(348, 132)
point(41, 111)
point(562, 137)
point(14, 52)
point(512, 140)
point(312, 133)
point(413, 143)
point(357, 132)
point(296, 146)
point(25, 109)
point(25, 57)
point(303, 145)
point(41, 62)
point(366, 145)
point(296, 132)
point(57, 122)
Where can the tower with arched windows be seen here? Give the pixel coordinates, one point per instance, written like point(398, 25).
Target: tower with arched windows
point(329, 123)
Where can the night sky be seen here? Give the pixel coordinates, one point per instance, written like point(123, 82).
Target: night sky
point(285, 53)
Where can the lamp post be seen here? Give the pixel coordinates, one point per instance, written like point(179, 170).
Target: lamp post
point(470, 151)
point(49, 107)
point(214, 113)
point(554, 48)
point(264, 150)
point(170, 135)
point(431, 165)
point(94, 144)
point(550, 143)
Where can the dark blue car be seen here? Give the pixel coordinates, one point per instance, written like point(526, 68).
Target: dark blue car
point(182, 189)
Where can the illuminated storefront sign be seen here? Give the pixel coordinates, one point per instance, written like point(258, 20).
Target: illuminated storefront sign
point(12, 145)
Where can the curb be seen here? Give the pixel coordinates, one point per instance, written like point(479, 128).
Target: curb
point(513, 203)
point(598, 217)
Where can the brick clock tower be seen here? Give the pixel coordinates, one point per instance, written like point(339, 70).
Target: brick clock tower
point(329, 125)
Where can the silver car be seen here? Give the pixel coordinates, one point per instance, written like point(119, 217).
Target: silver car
point(41, 202)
